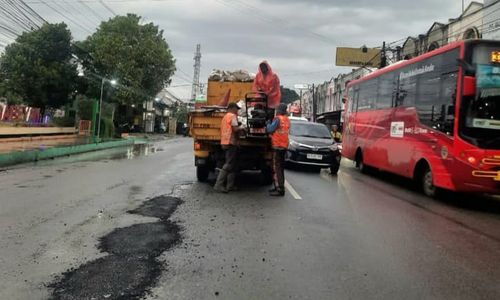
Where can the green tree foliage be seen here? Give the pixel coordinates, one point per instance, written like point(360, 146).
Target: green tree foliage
point(180, 112)
point(136, 55)
point(38, 67)
point(288, 95)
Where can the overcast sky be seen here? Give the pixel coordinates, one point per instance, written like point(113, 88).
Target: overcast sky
point(298, 38)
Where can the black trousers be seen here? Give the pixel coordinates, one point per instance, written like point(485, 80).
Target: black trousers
point(279, 169)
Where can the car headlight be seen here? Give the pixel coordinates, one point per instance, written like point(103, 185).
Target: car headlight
point(293, 144)
point(334, 147)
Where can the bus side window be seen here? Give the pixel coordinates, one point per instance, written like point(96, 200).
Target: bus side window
point(350, 99)
point(386, 88)
point(367, 95)
point(407, 92)
point(353, 104)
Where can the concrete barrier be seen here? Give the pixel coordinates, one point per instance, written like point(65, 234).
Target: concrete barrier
point(18, 157)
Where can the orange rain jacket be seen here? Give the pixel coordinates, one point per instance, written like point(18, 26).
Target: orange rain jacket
point(269, 84)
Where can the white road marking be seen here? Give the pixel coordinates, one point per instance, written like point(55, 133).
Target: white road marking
point(292, 191)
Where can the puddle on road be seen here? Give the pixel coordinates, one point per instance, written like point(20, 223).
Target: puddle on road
point(129, 152)
point(131, 267)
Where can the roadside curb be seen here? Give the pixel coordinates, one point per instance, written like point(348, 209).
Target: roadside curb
point(18, 157)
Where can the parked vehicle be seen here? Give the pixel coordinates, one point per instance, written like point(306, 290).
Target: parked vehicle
point(293, 118)
point(434, 118)
point(311, 144)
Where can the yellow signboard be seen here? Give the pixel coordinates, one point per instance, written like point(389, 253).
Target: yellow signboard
point(357, 57)
point(495, 56)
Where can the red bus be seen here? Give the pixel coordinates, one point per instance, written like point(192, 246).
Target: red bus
point(434, 118)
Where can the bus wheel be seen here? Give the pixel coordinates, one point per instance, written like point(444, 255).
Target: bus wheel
point(202, 173)
point(427, 183)
point(360, 163)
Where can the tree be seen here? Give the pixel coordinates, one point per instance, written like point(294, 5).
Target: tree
point(288, 95)
point(180, 112)
point(38, 67)
point(136, 55)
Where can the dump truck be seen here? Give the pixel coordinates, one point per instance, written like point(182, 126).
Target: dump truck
point(255, 152)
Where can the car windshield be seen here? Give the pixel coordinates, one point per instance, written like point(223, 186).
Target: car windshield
point(313, 130)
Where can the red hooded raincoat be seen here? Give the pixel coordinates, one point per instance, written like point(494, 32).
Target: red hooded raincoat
point(269, 84)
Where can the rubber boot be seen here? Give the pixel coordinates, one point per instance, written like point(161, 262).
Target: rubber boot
point(220, 183)
point(279, 192)
point(231, 179)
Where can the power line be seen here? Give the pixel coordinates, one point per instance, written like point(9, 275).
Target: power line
point(69, 19)
point(107, 7)
point(264, 16)
point(92, 11)
point(74, 17)
point(20, 13)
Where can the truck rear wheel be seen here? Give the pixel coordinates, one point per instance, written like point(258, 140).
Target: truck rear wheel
point(202, 173)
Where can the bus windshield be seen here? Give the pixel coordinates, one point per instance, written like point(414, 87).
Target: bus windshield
point(481, 124)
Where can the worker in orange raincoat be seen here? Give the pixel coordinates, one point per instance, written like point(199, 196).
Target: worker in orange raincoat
point(268, 82)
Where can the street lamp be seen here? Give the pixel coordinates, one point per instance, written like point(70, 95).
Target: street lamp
point(113, 83)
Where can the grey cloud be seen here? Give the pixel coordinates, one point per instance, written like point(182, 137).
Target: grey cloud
point(295, 36)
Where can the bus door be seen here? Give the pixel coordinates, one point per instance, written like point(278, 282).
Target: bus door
point(349, 135)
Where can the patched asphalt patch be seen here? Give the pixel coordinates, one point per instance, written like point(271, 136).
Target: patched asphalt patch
point(141, 240)
point(160, 207)
point(131, 268)
point(110, 277)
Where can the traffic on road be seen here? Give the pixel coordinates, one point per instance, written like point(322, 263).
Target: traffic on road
point(260, 167)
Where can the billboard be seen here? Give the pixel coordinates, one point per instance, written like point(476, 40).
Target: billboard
point(357, 57)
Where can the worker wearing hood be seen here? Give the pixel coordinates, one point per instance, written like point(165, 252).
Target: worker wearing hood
point(268, 82)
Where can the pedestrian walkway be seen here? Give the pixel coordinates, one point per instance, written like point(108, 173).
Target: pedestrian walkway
point(8, 145)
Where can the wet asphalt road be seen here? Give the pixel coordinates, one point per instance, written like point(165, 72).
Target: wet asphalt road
point(349, 236)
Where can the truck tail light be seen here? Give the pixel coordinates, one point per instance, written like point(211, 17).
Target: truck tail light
point(197, 146)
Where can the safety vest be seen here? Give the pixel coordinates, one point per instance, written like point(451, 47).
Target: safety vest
point(226, 129)
point(337, 135)
point(280, 137)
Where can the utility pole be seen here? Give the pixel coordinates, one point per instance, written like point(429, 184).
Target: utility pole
point(196, 76)
point(383, 57)
point(313, 104)
point(301, 110)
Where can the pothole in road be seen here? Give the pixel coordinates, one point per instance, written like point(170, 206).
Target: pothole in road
point(131, 267)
